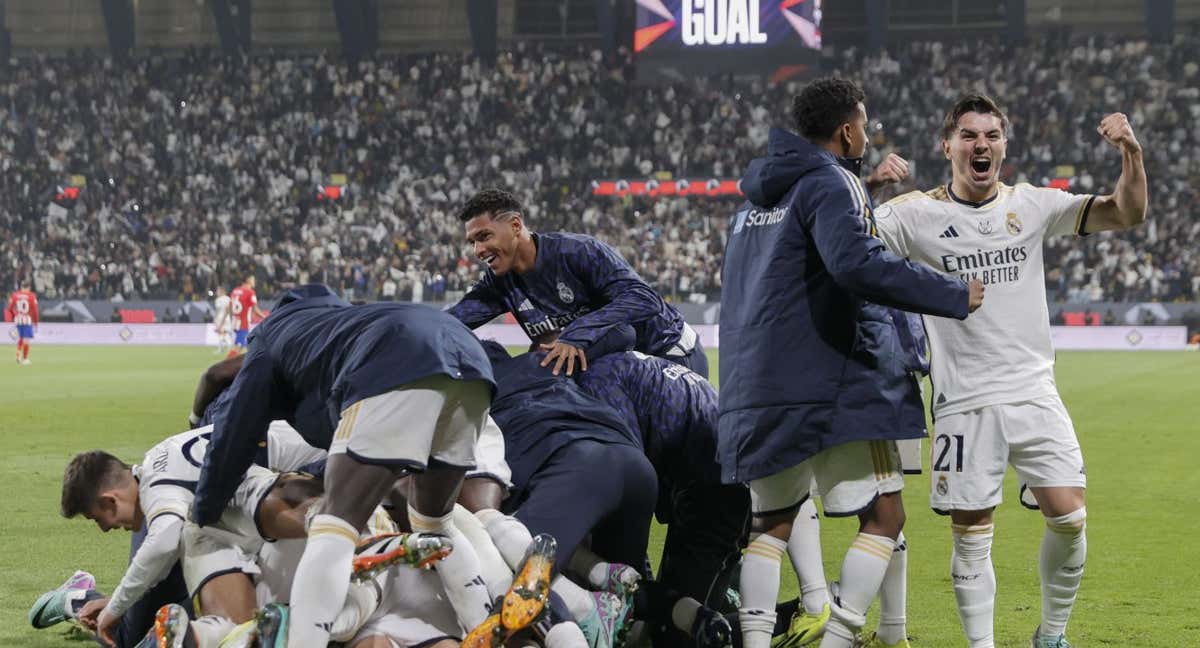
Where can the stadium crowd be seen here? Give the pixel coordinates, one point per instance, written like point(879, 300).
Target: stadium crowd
point(200, 169)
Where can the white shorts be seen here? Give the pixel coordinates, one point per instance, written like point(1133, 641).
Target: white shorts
point(489, 456)
point(414, 610)
point(287, 451)
point(209, 552)
point(848, 477)
point(277, 562)
point(435, 420)
point(971, 450)
point(910, 455)
point(241, 516)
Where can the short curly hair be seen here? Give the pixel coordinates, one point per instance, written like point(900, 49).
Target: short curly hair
point(824, 105)
point(491, 200)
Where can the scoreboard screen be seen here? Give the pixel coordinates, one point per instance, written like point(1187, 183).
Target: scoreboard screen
point(679, 38)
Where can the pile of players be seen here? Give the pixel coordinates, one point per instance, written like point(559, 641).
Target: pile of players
point(352, 446)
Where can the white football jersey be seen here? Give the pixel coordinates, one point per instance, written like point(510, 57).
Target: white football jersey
point(169, 472)
point(221, 305)
point(1001, 353)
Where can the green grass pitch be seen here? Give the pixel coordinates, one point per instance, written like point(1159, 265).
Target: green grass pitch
point(1136, 414)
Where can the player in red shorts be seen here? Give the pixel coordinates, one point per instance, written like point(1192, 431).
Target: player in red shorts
point(242, 302)
point(23, 309)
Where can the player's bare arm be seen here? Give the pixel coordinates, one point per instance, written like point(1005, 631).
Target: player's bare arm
point(893, 169)
point(1125, 207)
point(213, 381)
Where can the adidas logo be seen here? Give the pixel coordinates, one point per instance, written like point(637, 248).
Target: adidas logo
point(949, 233)
point(525, 306)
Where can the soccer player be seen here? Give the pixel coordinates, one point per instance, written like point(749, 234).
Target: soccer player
point(995, 401)
point(674, 410)
point(156, 494)
point(222, 320)
point(22, 308)
point(813, 383)
point(388, 389)
point(566, 290)
point(578, 470)
point(243, 302)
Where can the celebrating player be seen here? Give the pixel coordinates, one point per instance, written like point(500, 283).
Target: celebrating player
point(800, 267)
point(22, 309)
point(242, 303)
point(566, 290)
point(995, 401)
point(388, 389)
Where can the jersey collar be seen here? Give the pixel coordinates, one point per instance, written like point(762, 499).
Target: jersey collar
point(970, 203)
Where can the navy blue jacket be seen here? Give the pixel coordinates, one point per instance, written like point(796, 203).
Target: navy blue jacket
point(578, 285)
point(810, 355)
point(539, 413)
point(673, 408)
point(311, 359)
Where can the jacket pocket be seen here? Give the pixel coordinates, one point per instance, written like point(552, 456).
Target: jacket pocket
point(876, 342)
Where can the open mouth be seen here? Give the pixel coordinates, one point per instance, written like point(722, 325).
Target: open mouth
point(489, 259)
point(981, 165)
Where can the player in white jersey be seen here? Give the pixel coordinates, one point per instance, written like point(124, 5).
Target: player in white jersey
point(158, 493)
point(222, 321)
point(995, 401)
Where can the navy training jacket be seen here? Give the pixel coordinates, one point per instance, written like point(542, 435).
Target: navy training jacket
point(810, 352)
point(311, 359)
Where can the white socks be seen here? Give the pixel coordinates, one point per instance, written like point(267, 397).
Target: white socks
point(460, 572)
point(974, 582)
point(759, 586)
point(362, 599)
point(321, 581)
point(508, 534)
point(862, 573)
point(804, 548)
point(210, 630)
point(565, 635)
point(893, 596)
point(684, 612)
point(1064, 550)
point(495, 571)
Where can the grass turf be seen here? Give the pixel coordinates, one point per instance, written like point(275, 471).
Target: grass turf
point(1136, 415)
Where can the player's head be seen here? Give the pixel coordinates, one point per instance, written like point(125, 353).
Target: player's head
point(220, 291)
point(101, 488)
point(975, 139)
point(830, 112)
point(26, 284)
point(249, 282)
point(494, 227)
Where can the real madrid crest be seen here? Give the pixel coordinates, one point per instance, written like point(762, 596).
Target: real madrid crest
point(564, 293)
point(985, 226)
point(1013, 224)
point(943, 486)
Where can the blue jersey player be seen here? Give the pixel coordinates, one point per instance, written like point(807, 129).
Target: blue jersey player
point(387, 389)
point(566, 290)
point(674, 410)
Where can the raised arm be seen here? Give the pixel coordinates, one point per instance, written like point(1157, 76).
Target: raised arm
point(1126, 206)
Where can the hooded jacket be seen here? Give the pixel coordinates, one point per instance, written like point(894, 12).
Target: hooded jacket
point(311, 359)
point(810, 352)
